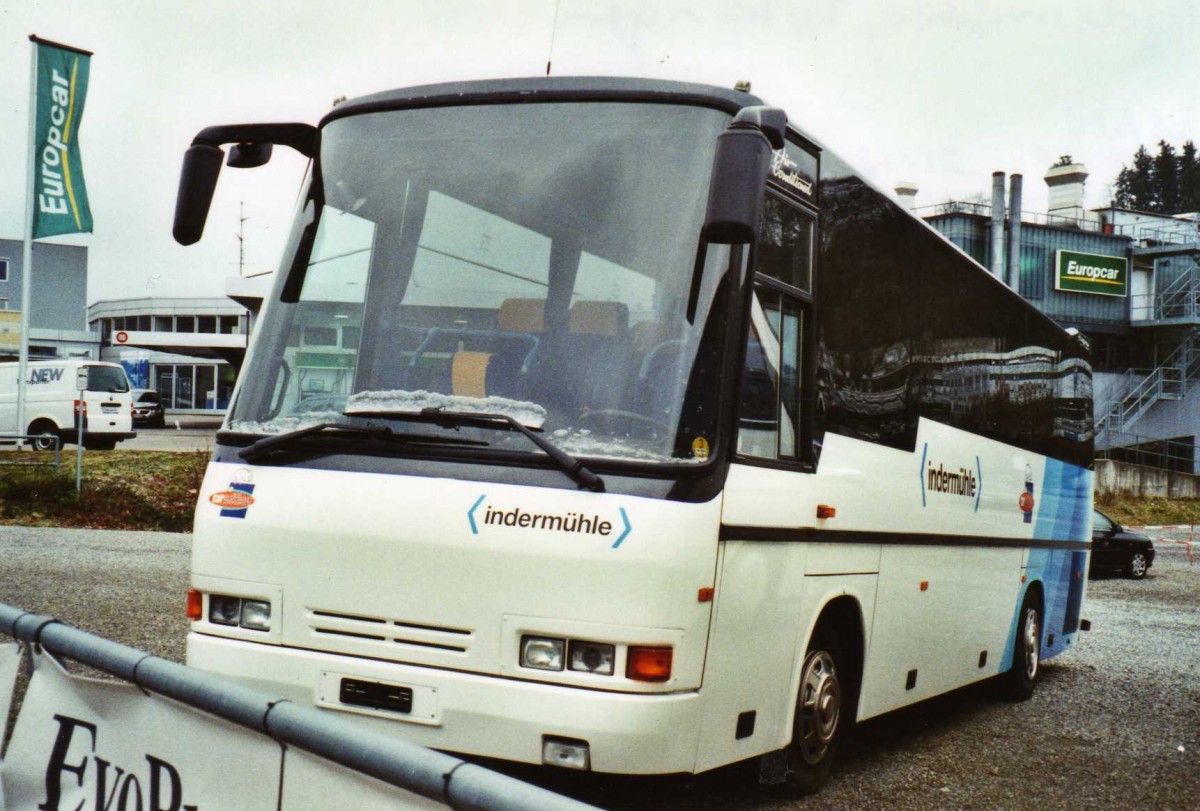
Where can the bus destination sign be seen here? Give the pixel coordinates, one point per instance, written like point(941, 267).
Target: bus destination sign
point(1091, 273)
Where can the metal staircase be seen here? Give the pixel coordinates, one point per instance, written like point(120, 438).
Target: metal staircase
point(1142, 391)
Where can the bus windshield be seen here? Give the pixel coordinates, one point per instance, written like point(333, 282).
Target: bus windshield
point(530, 260)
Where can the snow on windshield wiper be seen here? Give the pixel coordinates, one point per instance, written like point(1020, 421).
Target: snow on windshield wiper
point(577, 470)
point(278, 441)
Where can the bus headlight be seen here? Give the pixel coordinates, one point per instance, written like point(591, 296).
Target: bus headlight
point(542, 653)
point(256, 615)
point(224, 610)
point(592, 657)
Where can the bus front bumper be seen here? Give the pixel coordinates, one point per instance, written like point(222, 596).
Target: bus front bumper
point(475, 714)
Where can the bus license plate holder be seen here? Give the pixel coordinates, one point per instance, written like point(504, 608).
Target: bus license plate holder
point(376, 695)
point(363, 695)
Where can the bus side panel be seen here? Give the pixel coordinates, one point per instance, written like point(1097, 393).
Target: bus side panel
point(752, 646)
point(765, 613)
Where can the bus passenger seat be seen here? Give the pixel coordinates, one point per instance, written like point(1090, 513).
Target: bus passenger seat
point(599, 345)
point(522, 315)
point(468, 373)
point(609, 319)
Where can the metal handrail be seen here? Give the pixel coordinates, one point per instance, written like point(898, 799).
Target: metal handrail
point(431, 774)
point(21, 439)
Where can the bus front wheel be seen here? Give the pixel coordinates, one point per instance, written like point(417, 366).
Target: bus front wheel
point(819, 720)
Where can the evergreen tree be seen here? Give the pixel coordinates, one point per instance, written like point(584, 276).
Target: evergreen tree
point(1166, 179)
point(1166, 183)
point(1189, 179)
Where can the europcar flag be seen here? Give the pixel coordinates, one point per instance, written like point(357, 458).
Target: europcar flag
point(60, 204)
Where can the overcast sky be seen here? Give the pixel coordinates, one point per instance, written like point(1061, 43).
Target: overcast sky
point(938, 93)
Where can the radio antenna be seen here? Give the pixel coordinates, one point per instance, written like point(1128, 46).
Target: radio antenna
point(553, 31)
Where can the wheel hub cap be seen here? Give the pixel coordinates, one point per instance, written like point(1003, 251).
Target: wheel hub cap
point(820, 706)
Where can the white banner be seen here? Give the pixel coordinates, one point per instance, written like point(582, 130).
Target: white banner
point(86, 745)
point(10, 662)
point(82, 744)
point(313, 783)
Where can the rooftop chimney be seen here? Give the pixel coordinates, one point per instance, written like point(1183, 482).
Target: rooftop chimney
point(997, 264)
point(906, 193)
point(1013, 276)
point(1066, 190)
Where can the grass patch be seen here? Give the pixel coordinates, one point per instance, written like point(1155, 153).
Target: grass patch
point(153, 490)
point(1139, 511)
point(143, 490)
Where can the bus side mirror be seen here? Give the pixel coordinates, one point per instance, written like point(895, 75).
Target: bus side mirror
point(197, 182)
point(739, 176)
point(249, 156)
point(253, 145)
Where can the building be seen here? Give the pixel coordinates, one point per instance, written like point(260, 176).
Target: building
point(189, 349)
point(58, 297)
point(1127, 281)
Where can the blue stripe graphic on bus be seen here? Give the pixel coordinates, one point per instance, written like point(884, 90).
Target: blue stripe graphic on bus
point(1062, 513)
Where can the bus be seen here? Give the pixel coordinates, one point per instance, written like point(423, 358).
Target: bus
point(619, 425)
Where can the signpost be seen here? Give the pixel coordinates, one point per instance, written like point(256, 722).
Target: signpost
point(81, 384)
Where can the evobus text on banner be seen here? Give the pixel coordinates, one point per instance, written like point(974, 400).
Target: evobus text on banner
point(60, 203)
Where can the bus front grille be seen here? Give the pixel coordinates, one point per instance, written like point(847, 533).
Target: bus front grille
point(351, 632)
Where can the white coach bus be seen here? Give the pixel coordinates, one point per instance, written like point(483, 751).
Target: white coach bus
point(618, 425)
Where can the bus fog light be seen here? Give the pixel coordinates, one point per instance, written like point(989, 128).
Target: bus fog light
point(592, 657)
point(256, 615)
point(224, 610)
point(541, 653)
point(568, 753)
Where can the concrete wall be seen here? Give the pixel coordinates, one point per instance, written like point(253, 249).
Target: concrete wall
point(1122, 477)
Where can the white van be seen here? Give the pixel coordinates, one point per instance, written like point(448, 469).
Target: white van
point(50, 402)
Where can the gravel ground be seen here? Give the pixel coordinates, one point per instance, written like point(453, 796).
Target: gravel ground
point(1115, 723)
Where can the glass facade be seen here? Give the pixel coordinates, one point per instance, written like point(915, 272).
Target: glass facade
point(193, 386)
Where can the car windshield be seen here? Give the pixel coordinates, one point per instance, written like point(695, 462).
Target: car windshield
point(530, 260)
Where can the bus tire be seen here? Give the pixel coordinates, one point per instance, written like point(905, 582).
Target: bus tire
point(1021, 679)
point(44, 443)
point(821, 716)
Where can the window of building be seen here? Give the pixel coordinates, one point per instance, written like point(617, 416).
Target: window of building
point(163, 323)
point(3, 270)
point(185, 323)
point(144, 323)
point(228, 324)
point(206, 323)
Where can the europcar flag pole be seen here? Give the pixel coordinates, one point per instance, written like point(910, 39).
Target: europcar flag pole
point(55, 197)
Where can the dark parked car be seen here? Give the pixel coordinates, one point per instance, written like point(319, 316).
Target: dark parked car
point(148, 409)
point(1116, 549)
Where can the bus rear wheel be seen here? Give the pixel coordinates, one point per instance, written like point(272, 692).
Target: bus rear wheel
point(1020, 681)
point(819, 720)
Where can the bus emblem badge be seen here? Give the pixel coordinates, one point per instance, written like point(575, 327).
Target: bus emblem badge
point(235, 501)
point(1025, 502)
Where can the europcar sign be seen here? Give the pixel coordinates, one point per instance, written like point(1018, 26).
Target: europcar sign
point(1091, 273)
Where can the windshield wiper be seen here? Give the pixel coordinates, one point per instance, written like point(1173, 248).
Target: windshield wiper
point(274, 442)
point(577, 470)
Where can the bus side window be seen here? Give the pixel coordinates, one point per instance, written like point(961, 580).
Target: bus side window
point(770, 422)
